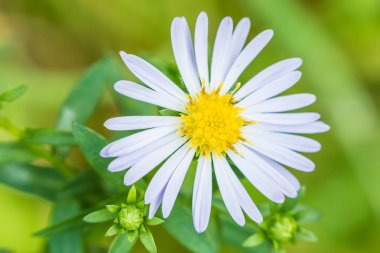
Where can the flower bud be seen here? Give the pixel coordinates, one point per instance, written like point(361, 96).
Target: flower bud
point(130, 217)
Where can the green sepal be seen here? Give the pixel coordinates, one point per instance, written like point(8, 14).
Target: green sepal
point(305, 214)
point(147, 240)
point(306, 235)
point(132, 195)
point(99, 216)
point(113, 230)
point(12, 94)
point(140, 204)
point(113, 208)
point(154, 221)
point(254, 240)
point(132, 235)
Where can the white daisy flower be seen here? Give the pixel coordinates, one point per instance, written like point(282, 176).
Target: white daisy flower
point(218, 124)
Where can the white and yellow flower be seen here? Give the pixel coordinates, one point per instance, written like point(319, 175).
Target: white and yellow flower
point(218, 123)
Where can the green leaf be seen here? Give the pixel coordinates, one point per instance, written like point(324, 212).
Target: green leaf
point(180, 226)
point(306, 235)
point(99, 216)
point(155, 221)
point(147, 240)
point(305, 214)
point(235, 235)
point(12, 94)
point(49, 136)
point(121, 244)
point(40, 181)
point(15, 152)
point(91, 144)
point(69, 241)
point(131, 195)
point(70, 224)
point(113, 230)
point(254, 240)
point(168, 112)
point(291, 203)
point(82, 101)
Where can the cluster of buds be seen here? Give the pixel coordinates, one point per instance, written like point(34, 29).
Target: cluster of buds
point(129, 219)
point(283, 224)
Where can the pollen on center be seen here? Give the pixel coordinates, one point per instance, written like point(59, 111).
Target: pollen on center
point(212, 122)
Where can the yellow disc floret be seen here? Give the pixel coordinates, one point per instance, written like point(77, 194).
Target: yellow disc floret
point(212, 122)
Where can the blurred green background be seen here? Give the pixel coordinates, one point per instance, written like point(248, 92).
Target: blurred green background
point(47, 45)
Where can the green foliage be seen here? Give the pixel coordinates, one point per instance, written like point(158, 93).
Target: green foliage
point(49, 136)
point(12, 94)
point(121, 244)
point(91, 144)
point(180, 226)
point(82, 101)
point(39, 181)
point(15, 152)
point(99, 216)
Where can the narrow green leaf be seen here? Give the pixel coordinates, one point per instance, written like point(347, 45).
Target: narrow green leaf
point(12, 94)
point(132, 195)
point(113, 230)
point(254, 240)
point(15, 152)
point(82, 101)
point(180, 226)
point(155, 221)
point(168, 112)
point(70, 241)
point(70, 224)
point(306, 235)
point(40, 181)
point(305, 214)
point(121, 244)
point(49, 136)
point(91, 144)
point(235, 235)
point(147, 240)
point(99, 216)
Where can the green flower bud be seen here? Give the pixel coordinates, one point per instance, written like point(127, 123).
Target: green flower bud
point(130, 217)
point(282, 228)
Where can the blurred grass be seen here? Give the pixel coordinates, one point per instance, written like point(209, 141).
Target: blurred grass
point(48, 44)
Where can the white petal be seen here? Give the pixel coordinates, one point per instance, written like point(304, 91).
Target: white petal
point(293, 142)
point(139, 92)
point(184, 54)
point(283, 103)
point(155, 203)
point(268, 75)
point(274, 88)
point(202, 194)
point(152, 77)
point(130, 159)
point(220, 54)
point(135, 141)
point(162, 176)
point(245, 200)
point(245, 58)
point(175, 182)
point(289, 176)
point(299, 118)
point(227, 191)
point(309, 128)
point(200, 47)
point(140, 122)
point(257, 178)
point(272, 174)
point(149, 162)
point(238, 40)
point(283, 155)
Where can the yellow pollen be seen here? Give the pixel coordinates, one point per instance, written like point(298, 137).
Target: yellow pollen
point(212, 122)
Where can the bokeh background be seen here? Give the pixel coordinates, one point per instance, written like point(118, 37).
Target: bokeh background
point(48, 44)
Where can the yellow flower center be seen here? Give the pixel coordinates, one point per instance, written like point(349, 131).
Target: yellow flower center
point(212, 122)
